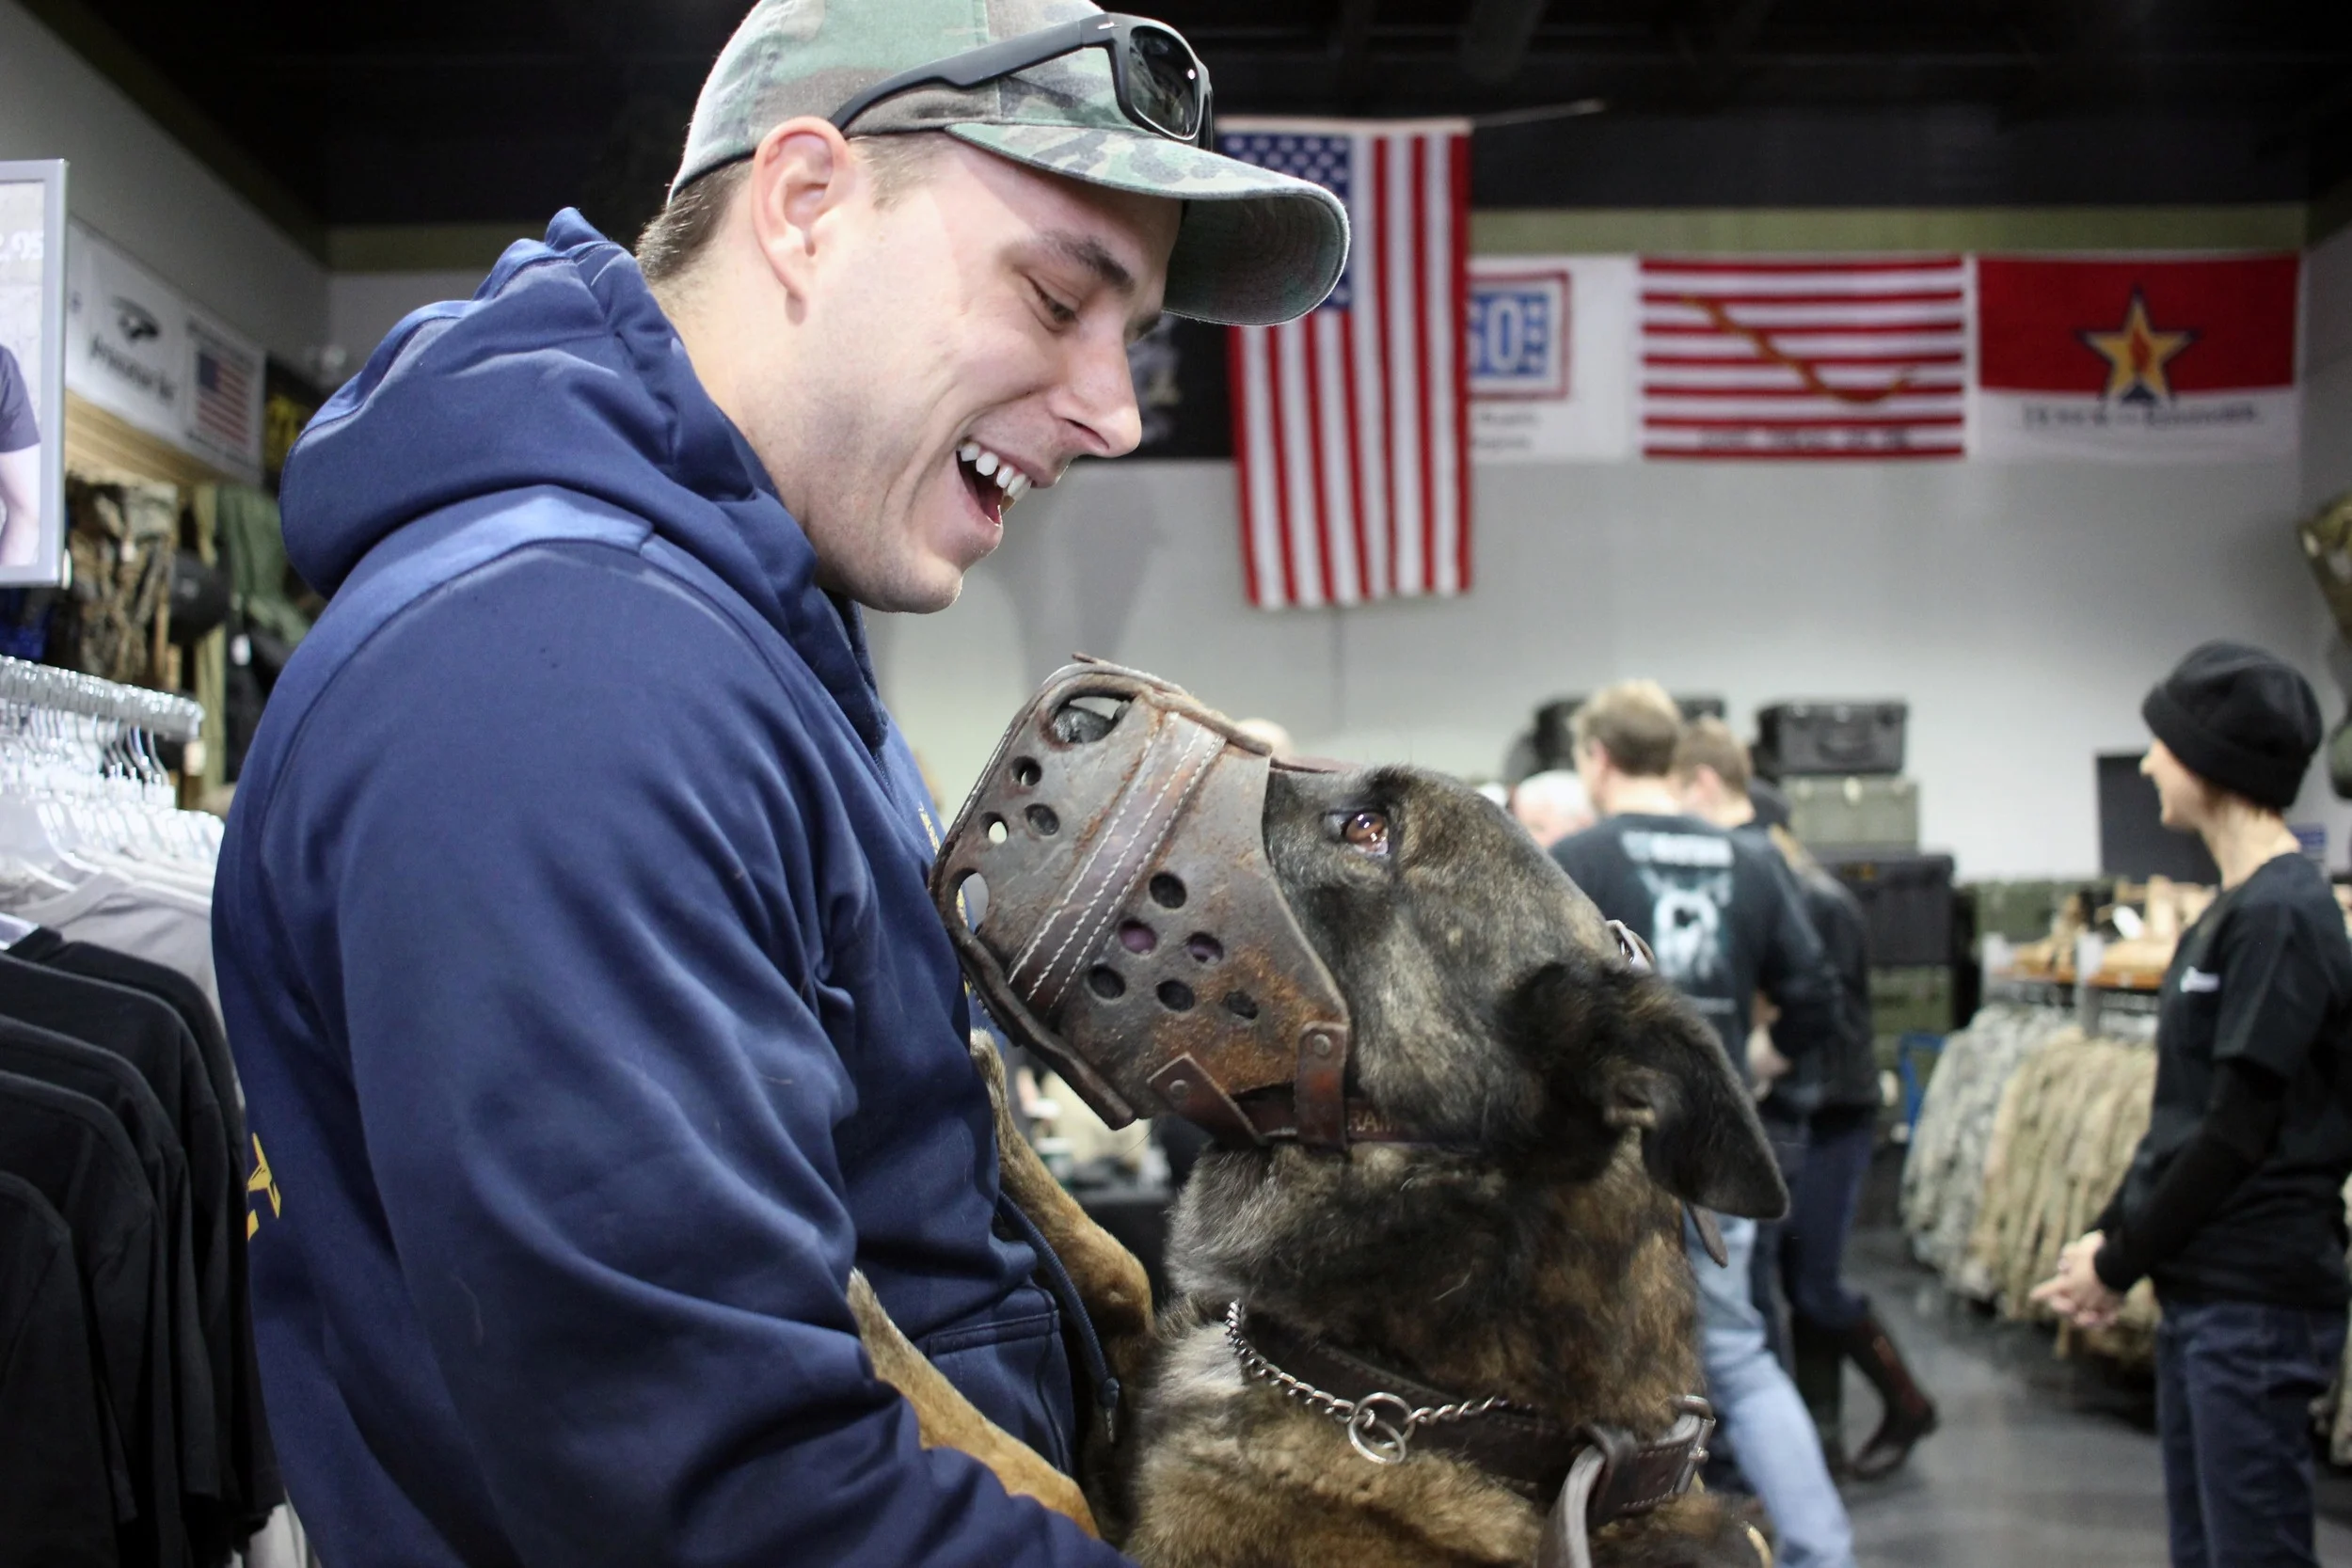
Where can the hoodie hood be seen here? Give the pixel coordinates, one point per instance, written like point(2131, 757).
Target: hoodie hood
point(561, 370)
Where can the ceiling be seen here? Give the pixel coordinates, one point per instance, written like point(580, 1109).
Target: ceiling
point(473, 111)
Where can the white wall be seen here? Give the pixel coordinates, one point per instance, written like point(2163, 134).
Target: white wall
point(2023, 611)
point(361, 306)
point(132, 182)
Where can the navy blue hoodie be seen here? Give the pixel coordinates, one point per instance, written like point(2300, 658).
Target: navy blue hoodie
point(574, 944)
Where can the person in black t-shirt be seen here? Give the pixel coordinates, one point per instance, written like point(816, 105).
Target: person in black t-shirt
point(1822, 1118)
point(2234, 1205)
point(19, 466)
point(1721, 918)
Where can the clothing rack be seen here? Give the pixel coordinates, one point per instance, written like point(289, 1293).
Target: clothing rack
point(159, 713)
point(2031, 991)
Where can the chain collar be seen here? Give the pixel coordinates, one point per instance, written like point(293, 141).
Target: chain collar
point(1380, 1425)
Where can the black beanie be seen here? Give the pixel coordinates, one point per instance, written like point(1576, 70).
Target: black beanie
point(2240, 718)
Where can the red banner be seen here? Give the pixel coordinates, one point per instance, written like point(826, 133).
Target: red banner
point(2137, 360)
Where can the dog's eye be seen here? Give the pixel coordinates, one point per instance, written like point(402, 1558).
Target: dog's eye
point(1367, 831)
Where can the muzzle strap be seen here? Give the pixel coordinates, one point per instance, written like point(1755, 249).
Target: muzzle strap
point(1174, 762)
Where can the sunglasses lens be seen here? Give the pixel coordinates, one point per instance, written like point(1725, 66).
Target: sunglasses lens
point(1164, 82)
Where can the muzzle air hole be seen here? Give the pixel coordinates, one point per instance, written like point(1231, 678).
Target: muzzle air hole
point(1241, 1003)
point(972, 898)
point(1103, 981)
point(996, 833)
point(1025, 773)
point(1041, 818)
point(1203, 948)
point(1136, 936)
point(1168, 892)
point(1176, 996)
point(1082, 719)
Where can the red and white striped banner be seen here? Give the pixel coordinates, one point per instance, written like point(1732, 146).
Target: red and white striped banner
point(1758, 358)
point(1351, 425)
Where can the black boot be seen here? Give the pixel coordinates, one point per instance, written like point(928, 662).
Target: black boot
point(1910, 1414)
point(1820, 1375)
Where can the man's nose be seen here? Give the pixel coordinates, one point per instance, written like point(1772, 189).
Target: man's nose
point(1099, 396)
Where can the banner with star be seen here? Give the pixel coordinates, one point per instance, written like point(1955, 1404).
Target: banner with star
point(2132, 359)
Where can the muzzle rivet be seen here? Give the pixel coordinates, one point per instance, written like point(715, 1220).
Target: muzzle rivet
point(1178, 1090)
point(1322, 1044)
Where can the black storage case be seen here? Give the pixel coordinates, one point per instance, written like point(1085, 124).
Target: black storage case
point(1907, 902)
point(1830, 738)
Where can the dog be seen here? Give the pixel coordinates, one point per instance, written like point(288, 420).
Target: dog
point(1523, 1246)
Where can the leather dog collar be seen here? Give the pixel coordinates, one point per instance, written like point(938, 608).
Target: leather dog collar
point(1388, 1415)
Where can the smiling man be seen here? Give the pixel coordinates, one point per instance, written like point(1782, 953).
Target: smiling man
point(572, 925)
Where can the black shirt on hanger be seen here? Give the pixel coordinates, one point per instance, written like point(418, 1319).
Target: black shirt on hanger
point(2263, 978)
point(99, 1075)
point(57, 1508)
point(51, 950)
point(79, 1159)
point(252, 1460)
point(148, 1034)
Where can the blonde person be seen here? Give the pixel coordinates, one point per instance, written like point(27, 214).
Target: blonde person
point(1724, 925)
point(1822, 1119)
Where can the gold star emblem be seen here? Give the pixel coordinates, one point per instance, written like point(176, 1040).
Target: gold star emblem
point(2136, 354)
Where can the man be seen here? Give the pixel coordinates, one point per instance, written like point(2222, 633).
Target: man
point(1823, 1122)
point(1720, 917)
point(573, 929)
point(1550, 805)
point(19, 466)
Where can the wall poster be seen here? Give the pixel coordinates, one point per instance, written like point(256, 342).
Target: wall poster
point(32, 372)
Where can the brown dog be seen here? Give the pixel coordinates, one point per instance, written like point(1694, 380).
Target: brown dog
point(1525, 1246)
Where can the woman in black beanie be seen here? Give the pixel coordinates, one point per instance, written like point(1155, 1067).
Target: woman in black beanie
point(2233, 1204)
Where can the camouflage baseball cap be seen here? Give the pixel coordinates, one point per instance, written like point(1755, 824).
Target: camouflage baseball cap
point(1254, 247)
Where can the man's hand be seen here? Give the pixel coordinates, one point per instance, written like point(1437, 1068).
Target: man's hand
point(2075, 1293)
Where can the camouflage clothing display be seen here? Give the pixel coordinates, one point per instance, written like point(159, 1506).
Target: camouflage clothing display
point(2336, 1411)
point(2028, 1127)
point(2069, 1122)
point(1943, 1173)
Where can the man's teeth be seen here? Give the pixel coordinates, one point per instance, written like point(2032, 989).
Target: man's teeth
point(1011, 481)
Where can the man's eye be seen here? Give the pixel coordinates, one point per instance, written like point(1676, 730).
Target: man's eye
point(1058, 313)
point(1367, 831)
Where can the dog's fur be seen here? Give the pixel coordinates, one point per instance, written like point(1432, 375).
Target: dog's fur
point(1532, 1249)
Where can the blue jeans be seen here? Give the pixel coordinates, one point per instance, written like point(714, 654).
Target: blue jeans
point(1766, 1269)
point(1821, 1204)
point(1770, 1432)
point(2235, 1385)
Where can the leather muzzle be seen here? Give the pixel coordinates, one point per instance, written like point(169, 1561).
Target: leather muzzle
point(1127, 926)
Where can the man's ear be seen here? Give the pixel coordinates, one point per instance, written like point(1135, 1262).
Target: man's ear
point(1700, 1137)
point(801, 171)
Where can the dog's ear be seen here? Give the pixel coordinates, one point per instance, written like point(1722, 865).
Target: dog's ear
point(1639, 1055)
point(1700, 1136)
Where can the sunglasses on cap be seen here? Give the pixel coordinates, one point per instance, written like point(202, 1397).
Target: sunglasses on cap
point(1160, 83)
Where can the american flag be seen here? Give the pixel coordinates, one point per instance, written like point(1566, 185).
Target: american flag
point(223, 410)
point(1351, 426)
point(1823, 358)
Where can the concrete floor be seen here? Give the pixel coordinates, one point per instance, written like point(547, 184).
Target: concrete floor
point(2038, 1462)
